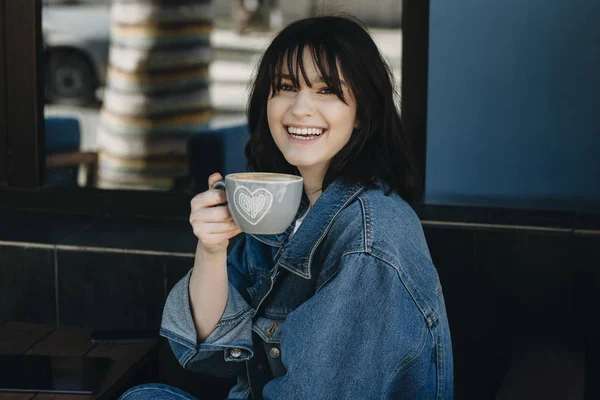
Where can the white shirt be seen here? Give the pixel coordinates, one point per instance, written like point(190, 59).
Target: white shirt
point(299, 222)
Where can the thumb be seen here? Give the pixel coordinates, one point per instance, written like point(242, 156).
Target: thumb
point(214, 178)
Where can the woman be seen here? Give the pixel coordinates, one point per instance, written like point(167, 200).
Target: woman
point(345, 304)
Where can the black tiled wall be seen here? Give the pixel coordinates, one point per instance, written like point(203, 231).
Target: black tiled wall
point(509, 293)
point(521, 306)
point(586, 258)
point(479, 356)
point(175, 269)
point(107, 290)
point(110, 290)
point(27, 284)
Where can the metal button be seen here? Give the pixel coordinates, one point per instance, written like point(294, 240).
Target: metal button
point(274, 352)
point(261, 367)
point(236, 353)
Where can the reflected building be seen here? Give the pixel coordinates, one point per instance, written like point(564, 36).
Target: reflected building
point(157, 92)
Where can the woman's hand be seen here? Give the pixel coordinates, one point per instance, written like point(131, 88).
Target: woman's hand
point(211, 220)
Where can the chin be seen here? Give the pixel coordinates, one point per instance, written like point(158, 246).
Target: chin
point(299, 162)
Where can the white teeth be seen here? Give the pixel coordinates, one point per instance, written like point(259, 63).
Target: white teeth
point(303, 137)
point(305, 133)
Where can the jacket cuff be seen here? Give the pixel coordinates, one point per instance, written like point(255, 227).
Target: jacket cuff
point(233, 333)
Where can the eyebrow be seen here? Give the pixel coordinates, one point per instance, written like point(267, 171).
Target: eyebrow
point(318, 80)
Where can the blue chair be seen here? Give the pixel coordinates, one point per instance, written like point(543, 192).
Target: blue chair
point(63, 154)
point(216, 150)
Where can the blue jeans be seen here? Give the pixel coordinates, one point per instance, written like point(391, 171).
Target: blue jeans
point(156, 391)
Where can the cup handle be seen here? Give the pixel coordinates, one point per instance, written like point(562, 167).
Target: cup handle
point(221, 186)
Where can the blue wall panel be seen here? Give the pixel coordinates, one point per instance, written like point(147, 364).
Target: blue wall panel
point(514, 104)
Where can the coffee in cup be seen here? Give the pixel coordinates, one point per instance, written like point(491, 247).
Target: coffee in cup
point(262, 202)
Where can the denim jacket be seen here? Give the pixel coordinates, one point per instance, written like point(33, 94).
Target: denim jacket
point(352, 308)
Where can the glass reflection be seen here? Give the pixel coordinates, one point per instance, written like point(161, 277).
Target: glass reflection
point(131, 85)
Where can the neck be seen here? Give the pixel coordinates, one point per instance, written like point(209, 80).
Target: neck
point(313, 184)
point(313, 195)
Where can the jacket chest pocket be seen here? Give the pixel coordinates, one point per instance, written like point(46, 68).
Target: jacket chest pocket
point(269, 331)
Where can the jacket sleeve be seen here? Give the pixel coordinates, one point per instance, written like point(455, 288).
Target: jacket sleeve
point(232, 338)
point(354, 339)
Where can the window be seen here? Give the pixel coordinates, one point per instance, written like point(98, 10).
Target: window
point(24, 162)
point(515, 101)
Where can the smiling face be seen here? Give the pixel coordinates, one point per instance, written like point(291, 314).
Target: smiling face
point(308, 122)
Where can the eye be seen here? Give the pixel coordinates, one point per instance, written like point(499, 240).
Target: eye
point(285, 87)
point(326, 90)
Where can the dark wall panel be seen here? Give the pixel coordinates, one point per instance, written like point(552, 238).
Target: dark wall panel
point(27, 284)
point(3, 117)
point(22, 41)
point(110, 290)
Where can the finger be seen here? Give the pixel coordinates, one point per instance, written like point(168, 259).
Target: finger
point(210, 198)
point(214, 178)
point(212, 214)
point(234, 233)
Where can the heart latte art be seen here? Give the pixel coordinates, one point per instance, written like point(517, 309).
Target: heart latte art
point(253, 206)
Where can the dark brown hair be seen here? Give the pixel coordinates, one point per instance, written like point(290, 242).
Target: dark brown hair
point(379, 147)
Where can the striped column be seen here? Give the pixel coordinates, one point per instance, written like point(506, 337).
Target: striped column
point(156, 93)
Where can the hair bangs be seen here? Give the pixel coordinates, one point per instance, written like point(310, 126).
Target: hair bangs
point(290, 64)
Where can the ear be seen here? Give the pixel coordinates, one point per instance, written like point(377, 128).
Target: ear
point(356, 124)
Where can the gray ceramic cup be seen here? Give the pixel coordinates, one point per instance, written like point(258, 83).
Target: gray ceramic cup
point(262, 202)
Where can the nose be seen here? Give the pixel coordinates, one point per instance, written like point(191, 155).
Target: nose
point(302, 105)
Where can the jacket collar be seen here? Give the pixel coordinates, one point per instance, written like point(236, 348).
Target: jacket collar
point(277, 240)
point(296, 254)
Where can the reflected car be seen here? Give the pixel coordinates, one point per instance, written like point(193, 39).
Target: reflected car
point(76, 46)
